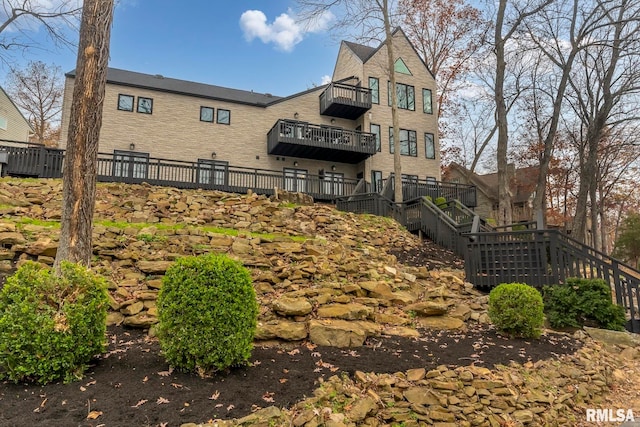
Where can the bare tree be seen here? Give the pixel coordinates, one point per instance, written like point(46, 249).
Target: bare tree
point(79, 181)
point(605, 91)
point(509, 20)
point(37, 90)
point(18, 18)
point(374, 18)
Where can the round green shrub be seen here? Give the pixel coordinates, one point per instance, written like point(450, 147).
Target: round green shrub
point(51, 326)
point(207, 312)
point(517, 309)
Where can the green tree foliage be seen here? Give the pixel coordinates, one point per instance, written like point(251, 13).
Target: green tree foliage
point(208, 314)
point(51, 326)
point(628, 243)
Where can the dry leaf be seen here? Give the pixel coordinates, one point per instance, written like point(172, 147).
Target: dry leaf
point(215, 395)
point(230, 407)
point(174, 385)
point(82, 388)
point(145, 379)
point(91, 383)
point(162, 400)
point(294, 352)
point(283, 380)
point(140, 403)
point(93, 415)
point(268, 397)
point(165, 373)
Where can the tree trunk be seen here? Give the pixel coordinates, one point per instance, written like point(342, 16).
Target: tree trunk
point(79, 182)
point(505, 215)
point(397, 163)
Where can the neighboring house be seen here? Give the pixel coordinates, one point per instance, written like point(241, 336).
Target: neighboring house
point(522, 187)
point(13, 125)
point(339, 131)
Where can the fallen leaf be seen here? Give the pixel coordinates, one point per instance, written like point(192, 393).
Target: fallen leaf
point(165, 373)
point(215, 395)
point(145, 379)
point(140, 403)
point(93, 415)
point(283, 380)
point(82, 388)
point(162, 400)
point(91, 383)
point(268, 397)
point(230, 407)
point(294, 352)
point(174, 385)
point(219, 405)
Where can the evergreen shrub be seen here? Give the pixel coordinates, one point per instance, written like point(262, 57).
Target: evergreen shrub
point(208, 312)
point(517, 309)
point(51, 326)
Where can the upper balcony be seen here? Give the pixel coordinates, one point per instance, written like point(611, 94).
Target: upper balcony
point(345, 101)
point(310, 141)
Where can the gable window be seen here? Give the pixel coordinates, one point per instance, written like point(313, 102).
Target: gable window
point(429, 146)
point(145, 105)
point(406, 96)
point(223, 117)
point(3, 123)
point(375, 129)
point(401, 67)
point(427, 101)
point(125, 102)
point(212, 173)
point(408, 142)
point(374, 85)
point(130, 164)
point(206, 114)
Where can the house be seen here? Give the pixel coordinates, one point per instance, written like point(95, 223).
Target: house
point(522, 181)
point(13, 125)
point(338, 133)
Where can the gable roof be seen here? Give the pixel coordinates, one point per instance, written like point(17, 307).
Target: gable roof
point(16, 107)
point(523, 182)
point(365, 52)
point(183, 87)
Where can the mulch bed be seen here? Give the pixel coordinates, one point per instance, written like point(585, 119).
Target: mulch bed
point(131, 384)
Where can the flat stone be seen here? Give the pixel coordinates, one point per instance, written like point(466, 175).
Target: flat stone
point(440, 322)
point(284, 329)
point(421, 396)
point(427, 308)
point(140, 320)
point(361, 408)
point(11, 238)
point(153, 267)
point(613, 337)
point(336, 333)
point(286, 306)
point(132, 309)
point(345, 311)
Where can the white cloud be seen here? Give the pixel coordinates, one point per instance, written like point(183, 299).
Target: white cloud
point(284, 32)
point(325, 80)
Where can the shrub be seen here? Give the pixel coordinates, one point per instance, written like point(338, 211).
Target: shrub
point(441, 202)
point(582, 302)
point(517, 309)
point(51, 326)
point(207, 313)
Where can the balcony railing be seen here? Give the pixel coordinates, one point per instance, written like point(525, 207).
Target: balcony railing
point(301, 139)
point(345, 101)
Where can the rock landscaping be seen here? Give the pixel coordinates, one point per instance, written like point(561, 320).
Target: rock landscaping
point(327, 282)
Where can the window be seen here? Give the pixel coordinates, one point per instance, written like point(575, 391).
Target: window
point(333, 183)
point(406, 96)
point(224, 117)
point(401, 67)
point(212, 172)
point(427, 101)
point(295, 180)
point(130, 164)
point(206, 114)
point(376, 181)
point(429, 146)
point(375, 129)
point(145, 105)
point(125, 102)
point(3, 123)
point(374, 85)
point(408, 142)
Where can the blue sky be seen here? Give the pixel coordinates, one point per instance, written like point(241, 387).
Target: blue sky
point(245, 44)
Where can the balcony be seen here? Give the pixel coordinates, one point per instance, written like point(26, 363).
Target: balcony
point(329, 143)
point(345, 101)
